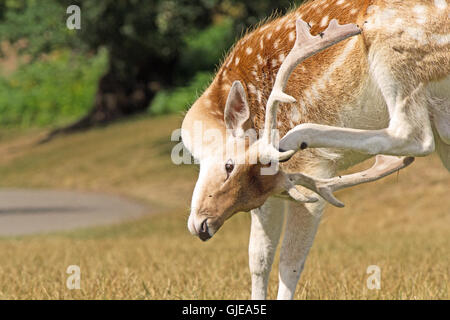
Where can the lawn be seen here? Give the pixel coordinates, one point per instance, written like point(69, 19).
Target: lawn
point(400, 224)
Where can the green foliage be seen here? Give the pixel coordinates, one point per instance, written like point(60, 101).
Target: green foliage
point(173, 45)
point(139, 33)
point(41, 23)
point(179, 99)
point(53, 91)
point(204, 49)
point(161, 31)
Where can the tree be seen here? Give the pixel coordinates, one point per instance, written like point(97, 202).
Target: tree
point(146, 42)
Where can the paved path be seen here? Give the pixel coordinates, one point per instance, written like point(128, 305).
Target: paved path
point(39, 211)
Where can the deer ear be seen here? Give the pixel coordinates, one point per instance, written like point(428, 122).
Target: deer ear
point(237, 112)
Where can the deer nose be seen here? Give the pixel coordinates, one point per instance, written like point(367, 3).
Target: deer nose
point(203, 233)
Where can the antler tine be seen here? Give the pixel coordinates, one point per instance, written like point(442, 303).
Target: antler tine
point(384, 166)
point(305, 46)
point(297, 195)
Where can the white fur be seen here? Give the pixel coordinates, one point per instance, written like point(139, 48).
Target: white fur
point(265, 232)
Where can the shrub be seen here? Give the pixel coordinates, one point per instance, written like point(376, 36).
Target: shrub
point(51, 91)
point(179, 99)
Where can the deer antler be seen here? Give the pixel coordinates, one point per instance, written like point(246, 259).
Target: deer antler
point(305, 46)
point(384, 166)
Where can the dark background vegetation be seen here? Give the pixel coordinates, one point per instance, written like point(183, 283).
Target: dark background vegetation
point(129, 57)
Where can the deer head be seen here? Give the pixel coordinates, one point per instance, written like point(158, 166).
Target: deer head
point(234, 179)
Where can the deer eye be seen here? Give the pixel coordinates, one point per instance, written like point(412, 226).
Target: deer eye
point(229, 166)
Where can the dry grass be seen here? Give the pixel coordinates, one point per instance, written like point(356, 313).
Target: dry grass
point(400, 224)
point(132, 157)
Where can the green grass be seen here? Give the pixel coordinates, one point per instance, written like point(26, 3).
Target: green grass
point(399, 223)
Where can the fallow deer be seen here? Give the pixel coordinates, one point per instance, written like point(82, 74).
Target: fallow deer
point(376, 83)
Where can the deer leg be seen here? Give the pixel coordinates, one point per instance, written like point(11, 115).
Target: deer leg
point(267, 222)
point(301, 226)
point(440, 109)
point(409, 132)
